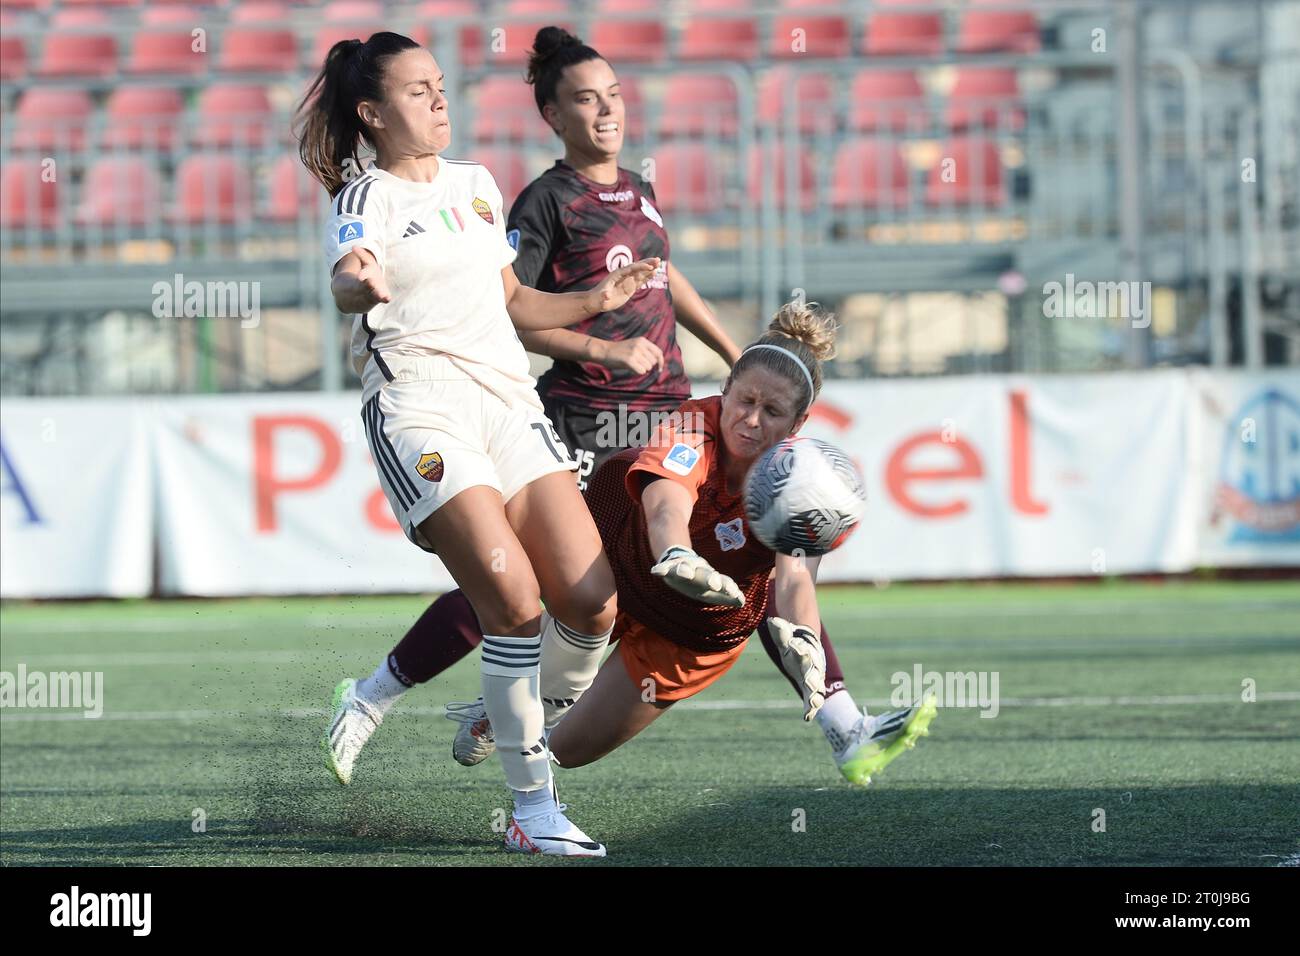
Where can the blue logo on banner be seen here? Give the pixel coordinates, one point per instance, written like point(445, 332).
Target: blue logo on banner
point(1259, 481)
point(512, 237)
point(12, 484)
point(350, 232)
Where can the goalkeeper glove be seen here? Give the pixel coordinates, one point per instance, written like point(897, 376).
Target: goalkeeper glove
point(685, 571)
point(804, 660)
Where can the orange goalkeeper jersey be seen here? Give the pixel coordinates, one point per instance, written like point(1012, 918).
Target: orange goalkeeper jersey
point(688, 450)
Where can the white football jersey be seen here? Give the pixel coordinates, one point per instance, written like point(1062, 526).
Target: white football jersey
point(442, 246)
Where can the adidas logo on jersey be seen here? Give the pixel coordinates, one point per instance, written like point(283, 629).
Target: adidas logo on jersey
point(413, 229)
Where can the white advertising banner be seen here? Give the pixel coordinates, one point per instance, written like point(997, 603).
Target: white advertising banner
point(984, 476)
point(995, 476)
point(271, 494)
point(75, 499)
point(1248, 494)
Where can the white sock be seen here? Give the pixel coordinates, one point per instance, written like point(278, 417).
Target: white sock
point(570, 660)
point(837, 718)
point(381, 689)
point(529, 803)
point(510, 696)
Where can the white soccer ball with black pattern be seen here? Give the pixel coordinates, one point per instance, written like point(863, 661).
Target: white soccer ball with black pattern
point(804, 496)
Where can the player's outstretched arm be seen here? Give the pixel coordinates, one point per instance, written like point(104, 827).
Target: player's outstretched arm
point(800, 647)
point(533, 310)
point(638, 354)
point(668, 514)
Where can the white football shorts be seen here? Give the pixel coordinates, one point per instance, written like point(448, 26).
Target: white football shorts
point(434, 432)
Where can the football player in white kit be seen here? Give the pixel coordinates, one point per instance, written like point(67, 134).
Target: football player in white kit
point(469, 461)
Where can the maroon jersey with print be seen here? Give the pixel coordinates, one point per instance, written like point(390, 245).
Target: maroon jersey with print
point(570, 232)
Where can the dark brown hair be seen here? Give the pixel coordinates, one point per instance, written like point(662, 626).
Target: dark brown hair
point(326, 123)
point(554, 48)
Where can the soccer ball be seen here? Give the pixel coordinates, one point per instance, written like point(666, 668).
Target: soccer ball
point(804, 497)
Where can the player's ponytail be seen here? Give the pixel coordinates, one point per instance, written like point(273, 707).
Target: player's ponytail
point(327, 126)
point(554, 48)
point(803, 330)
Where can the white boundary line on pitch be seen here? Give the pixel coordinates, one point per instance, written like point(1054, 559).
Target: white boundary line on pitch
point(1174, 700)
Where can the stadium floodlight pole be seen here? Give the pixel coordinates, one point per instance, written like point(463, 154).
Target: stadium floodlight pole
point(1252, 327)
point(1128, 29)
point(1217, 173)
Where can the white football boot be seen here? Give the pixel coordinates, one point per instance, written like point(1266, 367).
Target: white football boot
point(474, 741)
point(550, 833)
point(353, 723)
point(874, 742)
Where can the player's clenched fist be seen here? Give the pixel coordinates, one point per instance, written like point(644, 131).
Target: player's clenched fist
point(359, 285)
point(371, 287)
point(803, 658)
point(685, 571)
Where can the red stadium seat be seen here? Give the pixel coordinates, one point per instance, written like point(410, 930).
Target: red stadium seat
point(99, 3)
point(698, 105)
point(13, 53)
point(26, 198)
point(504, 109)
point(293, 191)
point(515, 8)
point(213, 188)
point(813, 99)
point(987, 97)
point(167, 51)
point(767, 175)
point(120, 191)
point(710, 39)
point(349, 10)
point(73, 48)
point(231, 114)
point(821, 36)
point(869, 172)
point(629, 41)
point(628, 6)
point(998, 31)
point(687, 178)
point(143, 117)
point(886, 99)
point(52, 119)
point(170, 14)
point(471, 36)
point(253, 50)
point(506, 166)
point(264, 11)
point(967, 173)
point(903, 34)
point(27, 4)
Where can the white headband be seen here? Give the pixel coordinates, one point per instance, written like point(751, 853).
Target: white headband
point(812, 391)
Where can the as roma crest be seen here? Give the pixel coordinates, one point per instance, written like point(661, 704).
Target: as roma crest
point(484, 210)
point(430, 466)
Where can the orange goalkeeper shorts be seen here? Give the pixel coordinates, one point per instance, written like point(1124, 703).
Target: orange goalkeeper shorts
point(675, 672)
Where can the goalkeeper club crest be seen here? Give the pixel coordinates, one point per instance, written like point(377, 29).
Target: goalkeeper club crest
point(430, 467)
point(731, 534)
point(484, 210)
